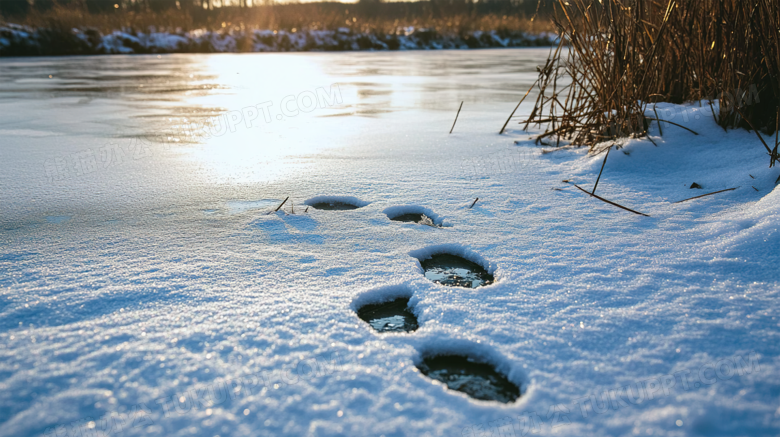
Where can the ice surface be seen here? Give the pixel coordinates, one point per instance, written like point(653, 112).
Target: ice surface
point(142, 315)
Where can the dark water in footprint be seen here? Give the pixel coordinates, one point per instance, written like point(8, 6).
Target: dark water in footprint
point(454, 271)
point(334, 206)
point(478, 380)
point(409, 218)
point(421, 219)
point(389, 316)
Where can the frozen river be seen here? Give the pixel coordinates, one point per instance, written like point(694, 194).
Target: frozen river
point(146, 291)
point(65, 119)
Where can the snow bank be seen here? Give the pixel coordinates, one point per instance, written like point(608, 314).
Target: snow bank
point(18, 40)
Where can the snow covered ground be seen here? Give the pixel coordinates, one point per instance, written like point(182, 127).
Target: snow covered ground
point(147, 291)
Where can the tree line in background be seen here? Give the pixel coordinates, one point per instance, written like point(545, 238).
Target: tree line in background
point(18, 8)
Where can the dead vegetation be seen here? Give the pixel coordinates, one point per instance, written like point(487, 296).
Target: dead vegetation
point(375, 17)
point(619, 57)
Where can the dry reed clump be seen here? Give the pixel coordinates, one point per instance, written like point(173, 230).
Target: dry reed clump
point(616, 57)
point(385, 18)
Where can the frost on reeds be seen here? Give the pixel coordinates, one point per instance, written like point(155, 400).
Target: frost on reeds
point(616, 58)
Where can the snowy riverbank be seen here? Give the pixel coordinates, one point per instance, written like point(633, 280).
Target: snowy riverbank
point(155, 295)
point(18, 40)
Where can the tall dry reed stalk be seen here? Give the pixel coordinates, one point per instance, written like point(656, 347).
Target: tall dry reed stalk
point(618, 56)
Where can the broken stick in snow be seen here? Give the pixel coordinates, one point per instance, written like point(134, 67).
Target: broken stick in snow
point(708, 194)
point(609, 201)
point(456, 117)
point(280, 205)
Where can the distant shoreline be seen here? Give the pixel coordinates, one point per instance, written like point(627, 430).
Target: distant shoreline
point(16, 40)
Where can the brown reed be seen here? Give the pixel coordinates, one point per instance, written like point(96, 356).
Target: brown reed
point(616, 57)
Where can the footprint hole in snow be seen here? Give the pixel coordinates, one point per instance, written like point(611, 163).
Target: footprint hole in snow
point(393, 316)
point(469, 374)
point(387, 309)
point(335, 203)
point(414, 214)
point(454, 266)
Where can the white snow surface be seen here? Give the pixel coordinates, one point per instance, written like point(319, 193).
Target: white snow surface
point(156, 296)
